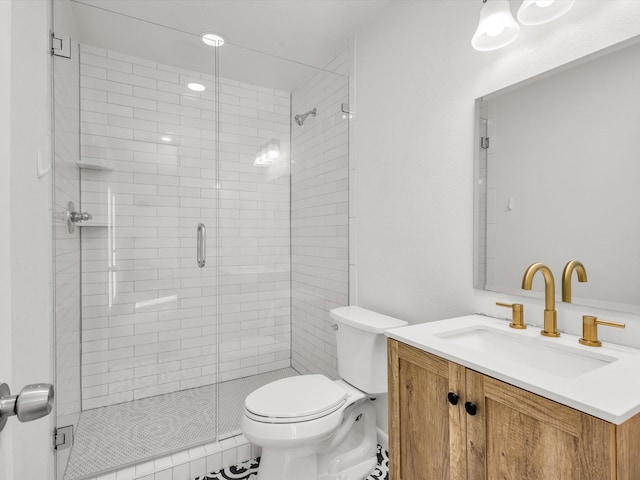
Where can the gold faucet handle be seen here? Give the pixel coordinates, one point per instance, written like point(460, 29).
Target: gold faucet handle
point(590, 330)
point(517, 314)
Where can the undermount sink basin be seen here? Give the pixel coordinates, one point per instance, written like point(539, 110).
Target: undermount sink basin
point(560, 360)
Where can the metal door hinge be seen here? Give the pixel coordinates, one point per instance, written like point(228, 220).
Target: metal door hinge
point(346, 112)
point(484, 142)
point(63, 437)
point(60, 45)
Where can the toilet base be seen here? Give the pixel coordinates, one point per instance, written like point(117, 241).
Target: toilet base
point(357, 472)
point(298, 467)
point(306, 468)
point(350, 453)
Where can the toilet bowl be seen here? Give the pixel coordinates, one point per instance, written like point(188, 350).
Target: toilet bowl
point(321, 439)
point(313, 428)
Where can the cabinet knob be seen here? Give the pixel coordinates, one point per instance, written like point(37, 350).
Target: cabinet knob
point(471, 408)
point(453, 398)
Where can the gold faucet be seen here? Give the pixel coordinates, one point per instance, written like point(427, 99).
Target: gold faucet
point(590, 330)
point(566, 278)
point(517, 314)
point(550, 316)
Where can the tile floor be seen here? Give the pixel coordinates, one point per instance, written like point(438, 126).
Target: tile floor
point(129, 433)
point(248, 470)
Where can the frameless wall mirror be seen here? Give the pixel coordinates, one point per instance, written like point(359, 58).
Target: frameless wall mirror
point(558, 178)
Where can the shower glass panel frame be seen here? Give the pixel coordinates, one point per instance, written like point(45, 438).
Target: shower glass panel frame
point(291, 202)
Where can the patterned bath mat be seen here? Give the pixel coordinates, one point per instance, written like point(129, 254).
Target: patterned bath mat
point(248, 470)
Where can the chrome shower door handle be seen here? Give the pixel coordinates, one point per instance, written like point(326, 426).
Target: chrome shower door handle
point(72, 217)
point(201, 248)
point(80, 217)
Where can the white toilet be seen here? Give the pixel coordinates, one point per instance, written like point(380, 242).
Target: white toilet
point(314, 428)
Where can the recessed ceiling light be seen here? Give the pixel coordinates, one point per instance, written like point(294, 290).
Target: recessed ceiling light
point(213, 39)
point(165, 139)
point(196, 87)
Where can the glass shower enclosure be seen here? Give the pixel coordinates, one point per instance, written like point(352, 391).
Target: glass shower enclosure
point(200, 234)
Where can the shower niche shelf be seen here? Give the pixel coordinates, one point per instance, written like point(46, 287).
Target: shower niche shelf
point(92, 164)
point(92, 224)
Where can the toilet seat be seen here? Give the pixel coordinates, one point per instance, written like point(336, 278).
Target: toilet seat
point(295, 399)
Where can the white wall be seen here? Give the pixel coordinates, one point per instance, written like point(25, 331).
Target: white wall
point(417, 79)
point(30, 229)
point(6, 446)
point(413, 172)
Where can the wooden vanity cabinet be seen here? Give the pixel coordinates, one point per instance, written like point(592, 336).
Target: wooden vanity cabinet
point(435, 433)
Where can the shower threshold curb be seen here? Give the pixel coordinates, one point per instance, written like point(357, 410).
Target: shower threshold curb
point(187, 464)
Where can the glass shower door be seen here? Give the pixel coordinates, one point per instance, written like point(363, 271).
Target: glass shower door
point(254, 230)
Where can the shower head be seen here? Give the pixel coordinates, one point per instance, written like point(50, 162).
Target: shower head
point(300, 119)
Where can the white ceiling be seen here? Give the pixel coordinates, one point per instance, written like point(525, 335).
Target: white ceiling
point(268, 42)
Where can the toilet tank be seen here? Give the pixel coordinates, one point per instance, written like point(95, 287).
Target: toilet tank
point(362, 347)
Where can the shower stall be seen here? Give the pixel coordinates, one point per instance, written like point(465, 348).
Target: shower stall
point(201, 233)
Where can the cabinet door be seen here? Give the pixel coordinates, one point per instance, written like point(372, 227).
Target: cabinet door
point(427, 433)
point(516, 434)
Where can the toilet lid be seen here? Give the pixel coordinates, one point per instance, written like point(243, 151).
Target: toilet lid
point(295, 397)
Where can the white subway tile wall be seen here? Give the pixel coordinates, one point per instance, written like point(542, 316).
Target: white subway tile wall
point(66, 248)
point(320, 216)
point(152, 173)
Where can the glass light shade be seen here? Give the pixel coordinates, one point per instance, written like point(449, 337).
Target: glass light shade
point(497, 27)
point(537, 12)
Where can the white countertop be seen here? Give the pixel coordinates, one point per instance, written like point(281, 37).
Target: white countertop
point(610, 392)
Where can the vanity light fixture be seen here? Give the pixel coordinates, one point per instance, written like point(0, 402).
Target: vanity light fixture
point(212, 39)
point(537, 12)
point(196, 87)
point(497, 27)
